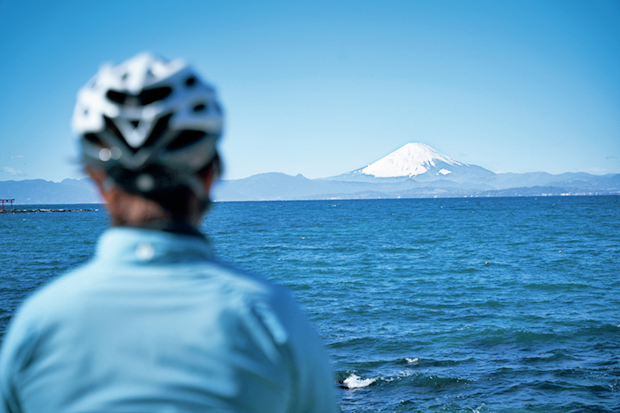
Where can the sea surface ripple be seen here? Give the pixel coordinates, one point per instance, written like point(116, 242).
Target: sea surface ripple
point(425, 305)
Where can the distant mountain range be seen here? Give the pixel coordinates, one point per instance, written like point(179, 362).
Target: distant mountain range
point(414, 171)
point(40, 191)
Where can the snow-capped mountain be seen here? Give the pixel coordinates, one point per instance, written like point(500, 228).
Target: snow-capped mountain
point(411, 160)
point(419, 162)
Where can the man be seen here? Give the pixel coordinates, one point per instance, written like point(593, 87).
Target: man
point(153, 323)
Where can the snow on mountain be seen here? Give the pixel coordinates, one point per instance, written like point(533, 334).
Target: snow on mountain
point(411, 160)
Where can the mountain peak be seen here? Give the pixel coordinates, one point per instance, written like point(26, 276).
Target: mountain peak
point(410, 160)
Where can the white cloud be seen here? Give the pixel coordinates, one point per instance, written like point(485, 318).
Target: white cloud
point(18, 157)
point(11, 171)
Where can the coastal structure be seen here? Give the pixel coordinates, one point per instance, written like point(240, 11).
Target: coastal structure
point(7, 200)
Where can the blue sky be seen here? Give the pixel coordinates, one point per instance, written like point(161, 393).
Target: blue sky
point(325, 87)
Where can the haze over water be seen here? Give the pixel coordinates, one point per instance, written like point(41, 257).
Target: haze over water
point(425, 305)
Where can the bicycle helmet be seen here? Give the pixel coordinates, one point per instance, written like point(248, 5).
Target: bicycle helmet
point(151, 124)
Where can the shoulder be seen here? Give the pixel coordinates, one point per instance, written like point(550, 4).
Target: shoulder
point(249, 286)
point(41, 309)
point(60, 294)
point(31, 322)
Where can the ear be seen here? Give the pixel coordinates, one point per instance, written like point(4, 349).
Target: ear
point(208, 179)
point(98, 176)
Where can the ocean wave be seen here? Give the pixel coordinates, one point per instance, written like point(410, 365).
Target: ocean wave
point(402, 378)
point(439, 382)
point(355, 382)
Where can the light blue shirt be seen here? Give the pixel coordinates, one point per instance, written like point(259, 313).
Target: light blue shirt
point(154, 324)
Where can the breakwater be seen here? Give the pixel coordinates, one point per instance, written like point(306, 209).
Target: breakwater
point(21, 211)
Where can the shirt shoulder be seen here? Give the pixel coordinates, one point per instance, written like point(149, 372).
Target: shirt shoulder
point(248, 316)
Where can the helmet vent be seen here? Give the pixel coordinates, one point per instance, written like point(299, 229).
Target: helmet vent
point(186, 138)
point(146, 97)
point(149, 96)
point(135, 123)
point(113, 129)
point(200, 107)
point(111, 126)
point(116, 96)
point(158, 130)
point(190, 81)
point(92, 138)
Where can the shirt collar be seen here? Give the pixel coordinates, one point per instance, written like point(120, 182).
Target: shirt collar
point(142, 246)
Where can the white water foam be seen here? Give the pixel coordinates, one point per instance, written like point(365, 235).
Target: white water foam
point(477, 410)
point(412, 360)
point(354, 382)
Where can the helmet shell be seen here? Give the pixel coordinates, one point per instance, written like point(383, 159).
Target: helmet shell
point(148, 113)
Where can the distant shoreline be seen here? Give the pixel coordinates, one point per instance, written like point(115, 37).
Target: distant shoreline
point(21, 211)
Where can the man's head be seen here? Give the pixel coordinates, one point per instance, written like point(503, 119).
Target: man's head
point(148, 130)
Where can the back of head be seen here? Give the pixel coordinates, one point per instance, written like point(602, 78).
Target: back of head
point(152, 126)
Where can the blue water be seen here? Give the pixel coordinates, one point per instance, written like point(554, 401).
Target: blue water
point(425, 305)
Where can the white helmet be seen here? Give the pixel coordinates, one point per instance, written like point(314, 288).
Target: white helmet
point(151, 124)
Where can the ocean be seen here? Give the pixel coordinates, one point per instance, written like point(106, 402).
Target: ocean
point(424, 305)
